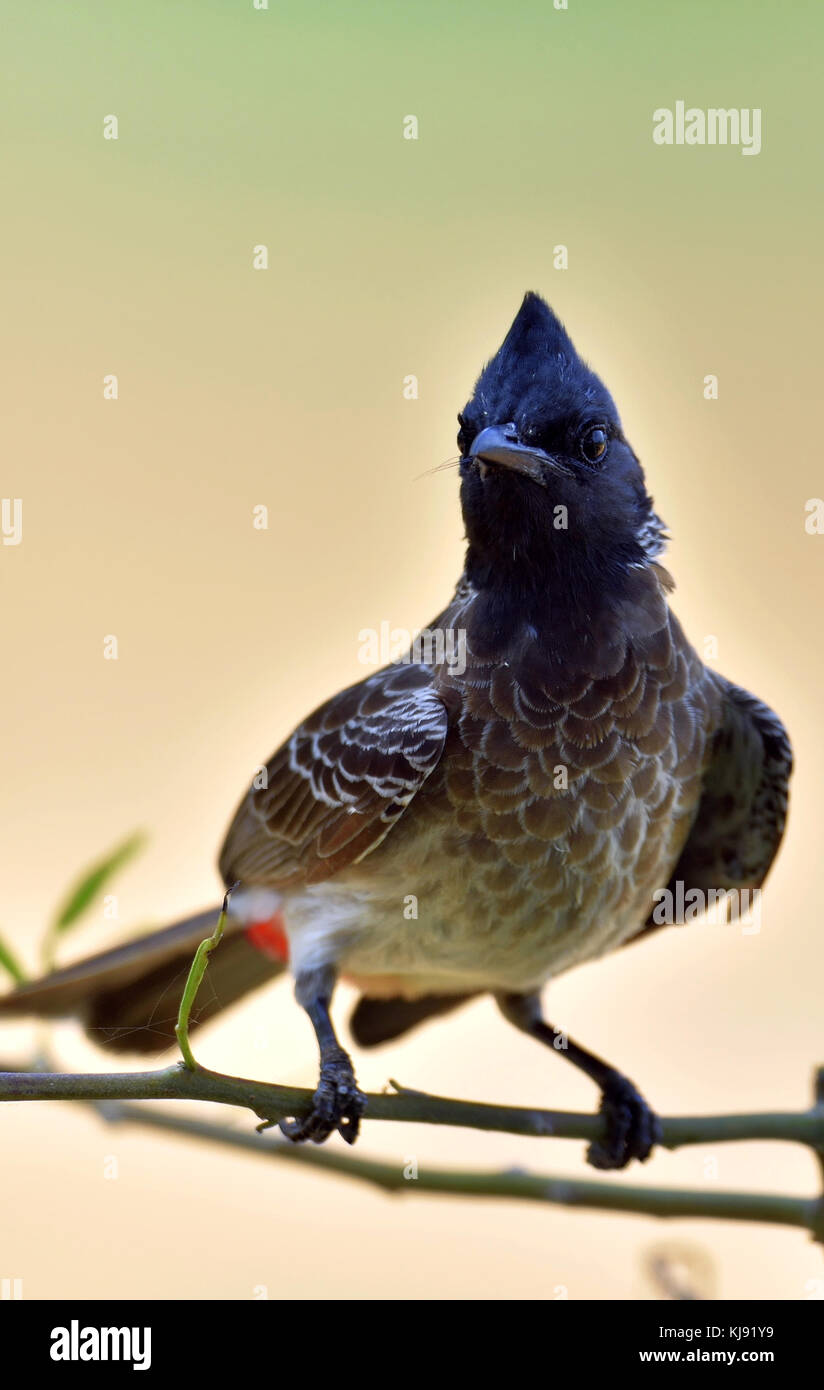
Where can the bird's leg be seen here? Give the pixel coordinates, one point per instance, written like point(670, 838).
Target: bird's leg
point(632, 1126)
point(337, 1103)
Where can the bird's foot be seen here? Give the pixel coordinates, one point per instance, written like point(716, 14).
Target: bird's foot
point(336, 1105)
point(633, 1127)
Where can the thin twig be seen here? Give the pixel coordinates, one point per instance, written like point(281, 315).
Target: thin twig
point(567, 1192)
point(193, 981)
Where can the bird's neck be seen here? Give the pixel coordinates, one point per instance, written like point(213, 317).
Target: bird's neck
point(568, 618)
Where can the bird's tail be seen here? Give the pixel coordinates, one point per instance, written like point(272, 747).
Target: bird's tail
point(127, 998)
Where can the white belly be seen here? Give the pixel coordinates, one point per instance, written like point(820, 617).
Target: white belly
point(406, 930)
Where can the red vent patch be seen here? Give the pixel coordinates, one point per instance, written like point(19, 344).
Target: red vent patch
point(270, 938)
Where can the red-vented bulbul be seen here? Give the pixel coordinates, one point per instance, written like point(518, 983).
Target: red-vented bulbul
point(530, 796)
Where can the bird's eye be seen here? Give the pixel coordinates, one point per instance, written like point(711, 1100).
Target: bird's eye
point(464, 436)
point(593, 443)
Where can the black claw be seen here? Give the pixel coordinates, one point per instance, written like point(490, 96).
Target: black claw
point(336, 1105)
point(633, 1128)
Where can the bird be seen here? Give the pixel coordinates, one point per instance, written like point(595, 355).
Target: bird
point(533, 799)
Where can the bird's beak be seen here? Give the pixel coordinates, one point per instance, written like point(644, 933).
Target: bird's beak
point(500, 444)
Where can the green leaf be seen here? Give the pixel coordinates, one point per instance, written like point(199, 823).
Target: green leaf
point(10, 963)
point(84, 893)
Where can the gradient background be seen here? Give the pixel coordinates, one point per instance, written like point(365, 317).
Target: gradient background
point(387, 257)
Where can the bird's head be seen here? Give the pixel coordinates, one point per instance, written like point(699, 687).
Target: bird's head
point(552, 494)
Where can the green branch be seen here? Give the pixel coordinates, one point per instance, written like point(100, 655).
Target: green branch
point(275, 1103)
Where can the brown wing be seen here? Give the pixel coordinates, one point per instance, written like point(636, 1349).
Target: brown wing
point(337, 786)
point(743, 806)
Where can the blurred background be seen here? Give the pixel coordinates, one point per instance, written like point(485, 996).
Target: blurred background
point(387, 257)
